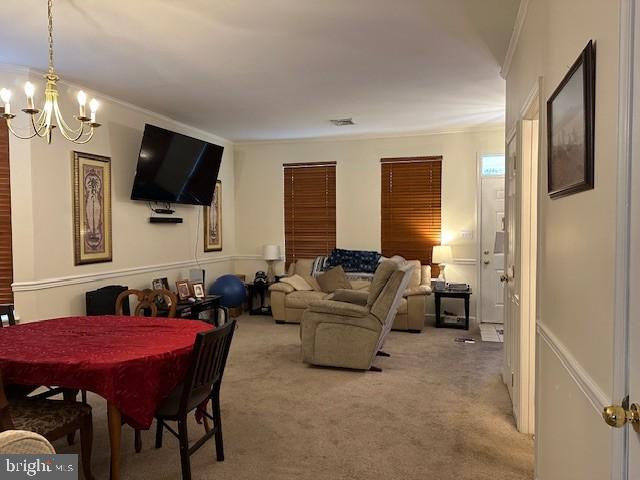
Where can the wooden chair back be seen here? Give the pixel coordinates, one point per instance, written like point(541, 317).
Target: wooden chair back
point(7, 309)
point(209, 359)
point(147, 302)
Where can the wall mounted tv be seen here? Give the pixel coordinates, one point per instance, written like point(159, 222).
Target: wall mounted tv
point(175, 168)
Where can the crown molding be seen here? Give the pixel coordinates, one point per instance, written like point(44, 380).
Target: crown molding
point(515, 37)
point(498, 127)
point(22, 70)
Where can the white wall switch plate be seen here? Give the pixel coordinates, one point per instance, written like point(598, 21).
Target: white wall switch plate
point(466, 235)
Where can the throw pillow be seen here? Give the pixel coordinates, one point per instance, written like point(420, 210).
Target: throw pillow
point(297, 282)
point(333, 279)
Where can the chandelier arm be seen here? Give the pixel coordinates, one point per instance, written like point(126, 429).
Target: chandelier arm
point(40, 127)
point(21, 137)
point(70, 134)
point(87, 139)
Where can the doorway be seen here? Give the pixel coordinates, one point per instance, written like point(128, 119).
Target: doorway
point(492, 170)
point(521, 250)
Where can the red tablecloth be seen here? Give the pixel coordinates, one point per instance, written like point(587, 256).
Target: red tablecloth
point(134, 362)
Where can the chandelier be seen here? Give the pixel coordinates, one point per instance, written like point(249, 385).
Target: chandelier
point(42, 121)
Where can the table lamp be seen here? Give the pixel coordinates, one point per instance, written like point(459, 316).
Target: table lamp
point(271, 253)
point(442, 255)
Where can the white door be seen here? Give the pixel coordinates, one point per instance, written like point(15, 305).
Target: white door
point(492, 218)
point(511, 299)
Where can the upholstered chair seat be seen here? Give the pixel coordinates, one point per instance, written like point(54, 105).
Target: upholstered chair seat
point(46, 416)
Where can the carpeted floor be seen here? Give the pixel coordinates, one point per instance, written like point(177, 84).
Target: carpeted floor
point(438, 411)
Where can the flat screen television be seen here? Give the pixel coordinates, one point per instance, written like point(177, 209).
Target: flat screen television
point(175, 168)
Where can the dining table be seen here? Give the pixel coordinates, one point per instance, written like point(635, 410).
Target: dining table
point(132, 362)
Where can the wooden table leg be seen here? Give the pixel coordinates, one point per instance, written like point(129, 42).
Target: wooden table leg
point(115, 427)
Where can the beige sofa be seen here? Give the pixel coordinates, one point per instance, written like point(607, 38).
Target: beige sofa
point(288, 304)
point(349, 331)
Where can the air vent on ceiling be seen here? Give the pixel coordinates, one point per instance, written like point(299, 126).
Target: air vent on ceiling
point(342, 122)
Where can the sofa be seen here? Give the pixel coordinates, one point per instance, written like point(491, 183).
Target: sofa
point(288, 304)
point(349, 330)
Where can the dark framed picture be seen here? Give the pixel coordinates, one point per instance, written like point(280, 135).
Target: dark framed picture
point(570, 120)
point(160, 283)
point(213, 221)
point(184, 292)
point(91, 208)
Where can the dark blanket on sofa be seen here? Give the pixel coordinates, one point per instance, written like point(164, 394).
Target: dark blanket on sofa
point(354, 260)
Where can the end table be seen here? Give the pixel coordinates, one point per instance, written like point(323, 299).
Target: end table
point(447, 293)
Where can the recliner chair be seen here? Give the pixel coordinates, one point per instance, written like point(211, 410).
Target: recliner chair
point(349, 330)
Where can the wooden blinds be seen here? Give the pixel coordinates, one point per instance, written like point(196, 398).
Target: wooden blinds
point(309, 210)
point(6, 256)
point(411, 207)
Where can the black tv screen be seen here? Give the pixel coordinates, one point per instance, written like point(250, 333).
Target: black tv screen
point(175, 168)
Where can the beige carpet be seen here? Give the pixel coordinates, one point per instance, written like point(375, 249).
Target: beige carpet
point(438, 411)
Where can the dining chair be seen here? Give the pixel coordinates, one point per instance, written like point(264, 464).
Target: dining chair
point(148, 301)
point(52, 419)
point(201, 384)
point(147, 306)
point(7, 309)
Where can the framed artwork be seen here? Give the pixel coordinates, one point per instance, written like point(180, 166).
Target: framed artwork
point(91, 208)
point(184, 292)
point(213, 221)
point(570, 120)
point(198, 289)
point(160, 283)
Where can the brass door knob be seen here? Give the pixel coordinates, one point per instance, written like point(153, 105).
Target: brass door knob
point(616, 416)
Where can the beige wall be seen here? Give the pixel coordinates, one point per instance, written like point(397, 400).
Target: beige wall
point(259, 190)
point(46, 281)
point(577, 256)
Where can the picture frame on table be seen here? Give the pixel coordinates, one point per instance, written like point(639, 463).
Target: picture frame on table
point(213, 221)
point(197, 288)
point(570, 132)
point(92, 208)
point(182, 287)
point(160, 283)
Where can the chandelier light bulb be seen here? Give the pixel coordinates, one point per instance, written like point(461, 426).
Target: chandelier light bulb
point(29, 90)
point(82, 101)
point(93, 105)
point(82, 98)
point(5, 95)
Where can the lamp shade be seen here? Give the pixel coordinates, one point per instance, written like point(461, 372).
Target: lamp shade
point(442, 254)
point(271, 252)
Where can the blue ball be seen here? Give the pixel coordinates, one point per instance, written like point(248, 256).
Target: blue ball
point(231, 289)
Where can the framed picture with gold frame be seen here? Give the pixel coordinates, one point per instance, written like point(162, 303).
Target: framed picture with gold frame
point(92, 208)
point(213, 221)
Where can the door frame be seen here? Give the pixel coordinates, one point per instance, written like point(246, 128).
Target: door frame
point(628, 108)
point(479, 156)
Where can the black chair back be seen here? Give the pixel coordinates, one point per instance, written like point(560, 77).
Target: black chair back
point(6, 309)
point(103, 300)
point(210, 353)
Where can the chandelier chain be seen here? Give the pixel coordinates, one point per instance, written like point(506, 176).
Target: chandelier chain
point(50, 16)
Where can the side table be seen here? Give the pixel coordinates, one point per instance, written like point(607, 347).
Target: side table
point(446, 293)
point(258, 290)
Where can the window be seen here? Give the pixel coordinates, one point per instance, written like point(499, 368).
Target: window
point(309, 210)
point(6, 254)
point(492, 165)
point(411, 207)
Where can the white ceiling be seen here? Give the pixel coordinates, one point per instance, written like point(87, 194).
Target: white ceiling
point(272, 69)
